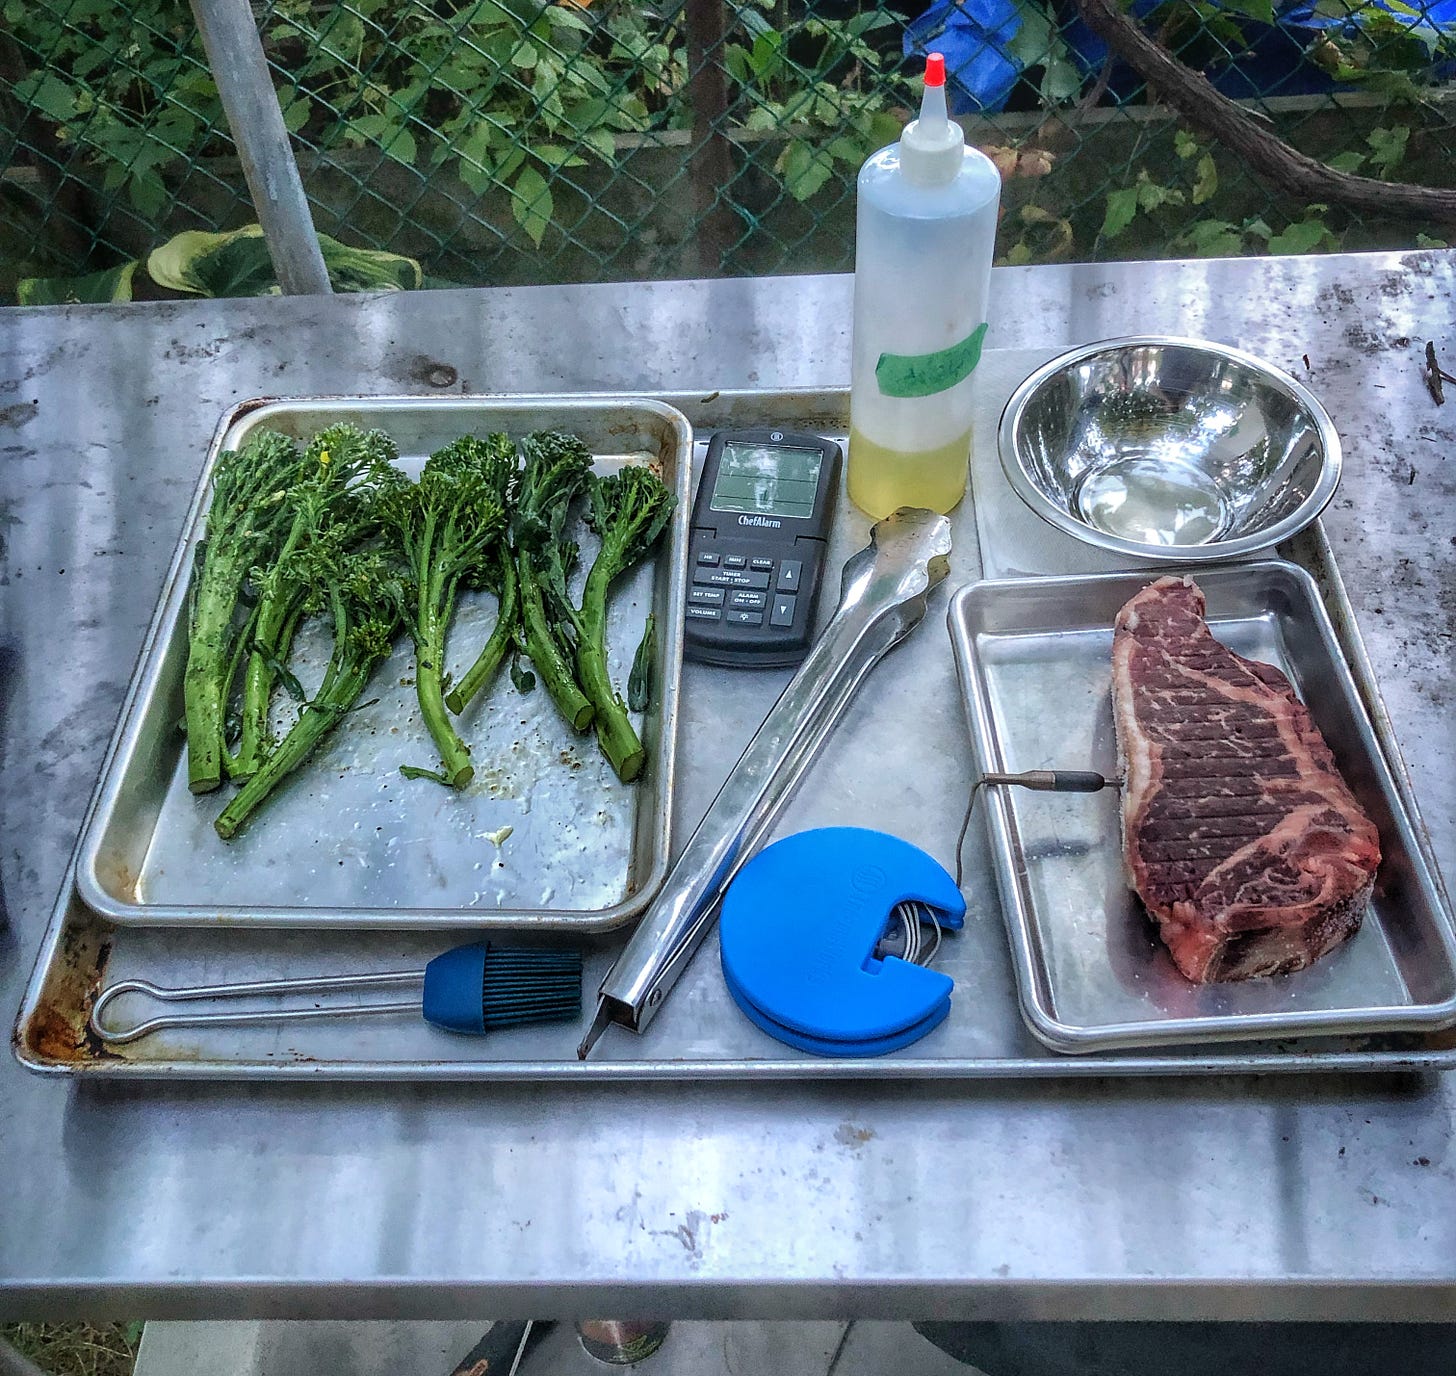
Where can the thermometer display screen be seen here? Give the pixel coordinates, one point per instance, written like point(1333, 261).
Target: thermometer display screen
point(767, 480)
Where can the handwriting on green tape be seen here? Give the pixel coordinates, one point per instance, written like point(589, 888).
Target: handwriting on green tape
point(923, 375)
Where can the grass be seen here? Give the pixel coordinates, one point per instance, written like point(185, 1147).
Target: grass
point(77, 1349)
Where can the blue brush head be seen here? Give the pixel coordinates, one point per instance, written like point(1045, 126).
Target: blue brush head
point(481, 987)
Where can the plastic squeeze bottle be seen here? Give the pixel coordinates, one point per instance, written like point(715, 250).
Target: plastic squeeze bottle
point(926, 231)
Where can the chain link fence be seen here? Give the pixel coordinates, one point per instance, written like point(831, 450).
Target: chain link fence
point(511, 141)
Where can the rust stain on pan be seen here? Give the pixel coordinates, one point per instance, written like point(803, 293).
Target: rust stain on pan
point(59, 1032)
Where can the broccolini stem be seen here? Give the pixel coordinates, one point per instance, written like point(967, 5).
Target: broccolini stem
point(546, 654)
point(313, 724)
point(489, 659)
point(204, 690)
point(269, 645)
point(615, 733)
point(235, 664)
point(454, 753)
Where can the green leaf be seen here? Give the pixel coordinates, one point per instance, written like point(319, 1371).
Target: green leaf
point(95, 288)
point(764, 57)
point(1301, 237)
point(884, 129)
point(147, 192)
point(639, 681)
point(413, 771)
point(1060, 81)
point(230, 264)
point(49, 94)
point(1184, 144)
point(1347, 162)
point(735, 60)
point(295, 114)
point(401, 147)
point(1387, 148)
point(1032, 41)
point(343, 39)
point(562, 17)
point(1214, 239)
point(525, 56)
point(238, 264)
point(368, 269)
point(521, 676)
point(554, 155)
point(1261, 11)
point(510, 160)
point(1122, 206)
point(1151, 195)
point(531, 203)
point(1207, 183)
point(474, 157)
point(601, 143)
point(805, 169)
point(1426, 241)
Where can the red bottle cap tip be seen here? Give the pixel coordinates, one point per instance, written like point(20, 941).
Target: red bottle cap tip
point(935, 69)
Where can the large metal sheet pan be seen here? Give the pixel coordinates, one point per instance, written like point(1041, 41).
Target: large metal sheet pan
point(900, 761)
point(350, 843)
point(1035, 661)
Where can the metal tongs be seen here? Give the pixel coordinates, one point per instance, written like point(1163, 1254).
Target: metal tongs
point(882, 599)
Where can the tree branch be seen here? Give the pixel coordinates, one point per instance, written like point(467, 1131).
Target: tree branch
point(1285, 169)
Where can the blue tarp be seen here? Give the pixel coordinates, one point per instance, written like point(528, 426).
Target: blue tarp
point(976, 37)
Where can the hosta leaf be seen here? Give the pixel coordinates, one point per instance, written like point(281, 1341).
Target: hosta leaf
point(230, 264)
point(94, 288)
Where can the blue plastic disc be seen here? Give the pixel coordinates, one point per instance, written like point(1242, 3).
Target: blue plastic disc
point(798, 932)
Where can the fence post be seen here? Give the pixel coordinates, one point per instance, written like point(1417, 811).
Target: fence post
point(235, 54)
point(710, 167)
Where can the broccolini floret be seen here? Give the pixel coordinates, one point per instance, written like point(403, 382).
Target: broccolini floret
point(499, 575)
point(557, 468)
point(363, 594)
point(331, 505)
point(447, 527)
point(245, 523)
point(629, 511)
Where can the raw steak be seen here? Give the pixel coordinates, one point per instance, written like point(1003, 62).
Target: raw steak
point(1240, 836)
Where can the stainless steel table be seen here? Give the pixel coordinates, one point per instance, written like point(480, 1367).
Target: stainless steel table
point(1283, 1198)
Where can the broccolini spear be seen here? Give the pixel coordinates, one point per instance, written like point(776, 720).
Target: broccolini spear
point(245, 521)
point(363, 594)
point(330, 504)
point(629, 511)
point(557, 468)
point(500, 578)
point(448, 525)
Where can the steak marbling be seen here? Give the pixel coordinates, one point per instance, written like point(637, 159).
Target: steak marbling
point(1239, 834)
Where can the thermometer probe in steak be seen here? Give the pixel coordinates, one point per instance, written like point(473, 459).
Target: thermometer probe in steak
point(1240, 836)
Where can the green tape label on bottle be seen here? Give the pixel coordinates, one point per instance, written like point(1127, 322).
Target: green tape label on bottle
point(923, 375)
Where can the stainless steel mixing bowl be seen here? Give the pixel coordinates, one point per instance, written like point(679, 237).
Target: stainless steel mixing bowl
point(1169, 448)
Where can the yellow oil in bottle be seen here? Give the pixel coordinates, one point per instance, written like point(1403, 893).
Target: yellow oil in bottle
point(882, 479)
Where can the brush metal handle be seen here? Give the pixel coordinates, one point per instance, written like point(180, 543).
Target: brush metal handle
point(882, 599)
point(114, 1034)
